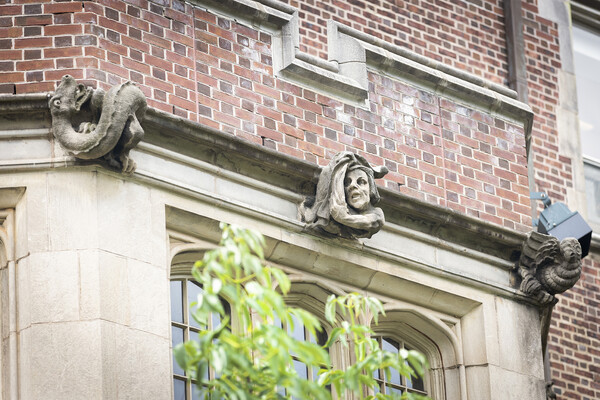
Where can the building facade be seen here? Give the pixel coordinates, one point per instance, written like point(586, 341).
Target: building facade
point(469, 105)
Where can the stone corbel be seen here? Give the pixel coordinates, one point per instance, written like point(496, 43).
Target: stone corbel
point(108, 124)
point(548, 266)
point(344, 204)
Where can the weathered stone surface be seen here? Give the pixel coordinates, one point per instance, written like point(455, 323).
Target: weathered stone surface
point(344, 204)
point(111, 127)
point(125, 350)
point(549, 267)
point(61, 361)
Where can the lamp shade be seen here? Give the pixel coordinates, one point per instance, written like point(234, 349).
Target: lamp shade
point(557, 220)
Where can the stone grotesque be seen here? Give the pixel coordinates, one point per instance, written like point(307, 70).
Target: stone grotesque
point(548, 267)
point(344, 204)
point(108, 123)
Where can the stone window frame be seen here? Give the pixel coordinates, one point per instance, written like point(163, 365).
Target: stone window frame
point(13, 248)
point(428, 332)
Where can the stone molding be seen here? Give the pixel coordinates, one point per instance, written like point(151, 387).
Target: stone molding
point(220, 154)
point(9, 372)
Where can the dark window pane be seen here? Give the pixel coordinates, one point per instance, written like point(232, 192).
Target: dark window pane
point(390, 345)
point(176, 302)
point(176, 337)
point(416, 383)
point(376, 374)
point(178, 389)
point(193, 290)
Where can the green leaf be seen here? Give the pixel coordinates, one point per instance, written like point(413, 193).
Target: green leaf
point(282, 280)
point(180, 355)
point(333, 336)
point(330, 309)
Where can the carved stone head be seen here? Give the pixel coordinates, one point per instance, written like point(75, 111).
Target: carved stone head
point(344, 204)
point(68, 97)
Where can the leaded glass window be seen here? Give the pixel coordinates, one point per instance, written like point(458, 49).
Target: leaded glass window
point(396, 383)
point(184, 327)
point(299, 332)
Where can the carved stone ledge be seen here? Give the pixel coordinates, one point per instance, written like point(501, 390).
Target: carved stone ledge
point(548, 267)
point(344, 204)
point(108, 123)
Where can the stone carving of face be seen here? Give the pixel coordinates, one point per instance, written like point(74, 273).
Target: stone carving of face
point(356, 188)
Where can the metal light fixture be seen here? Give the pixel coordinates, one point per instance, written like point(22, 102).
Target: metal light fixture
point(557, 220)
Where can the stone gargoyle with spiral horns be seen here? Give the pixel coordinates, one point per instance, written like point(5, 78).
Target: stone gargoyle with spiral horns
point(548, 266)
point(108, 123)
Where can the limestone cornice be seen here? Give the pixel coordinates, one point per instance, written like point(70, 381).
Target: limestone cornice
point(297, 178)
point(285, 177)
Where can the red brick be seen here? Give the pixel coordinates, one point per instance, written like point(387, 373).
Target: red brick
point(53, 30)
point(157, 62)
point(114, 69)
point(34, 87)
point(157, 41)
point(113, 25)
point(33, 20)
point(35, 65)
point(64, 7)
point(63, 52)
point(33, 43)
point(179, 102)
point(11, 9)
point(57, 75)
point(11, 77)
point(13, 32)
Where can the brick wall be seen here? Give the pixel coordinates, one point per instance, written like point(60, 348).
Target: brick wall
point(574, 342)
point(468, 35)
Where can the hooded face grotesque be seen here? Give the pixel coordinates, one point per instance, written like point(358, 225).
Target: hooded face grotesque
point(357, 189)
point(344, 204)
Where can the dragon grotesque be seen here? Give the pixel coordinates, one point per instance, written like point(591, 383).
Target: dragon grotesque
point(112, 127)
point(548, 267)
